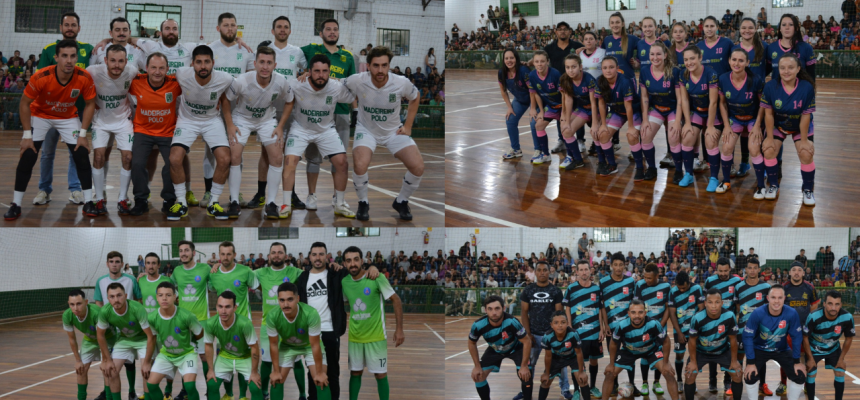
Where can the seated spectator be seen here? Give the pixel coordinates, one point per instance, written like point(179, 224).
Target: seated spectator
point(362, 61)
point(261, 262)
point(419, 77)
point(408, 73)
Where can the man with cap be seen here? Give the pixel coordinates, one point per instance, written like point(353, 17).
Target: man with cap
point(801, 296)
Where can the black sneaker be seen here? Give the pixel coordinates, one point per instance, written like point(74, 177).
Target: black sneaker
point(679, 174)
point(140, 208)
point(13, 213)
point(215, 210)
point(713, 388)
point(90, 209)
point(639, 175)
point(234, 211)
point(132, 395)
point(592, 151)
point(122, 207)
point(177, 211)
point(403, 209)
point(610, 169)
point(363, 211)
point(101, 207)
point(101, 396)
point(165, 206)
point(296, 203)
point(650, 174)
point(182, 395)
point(600, 168)
point(680, 387)
point(636, 392)
point(271, 211)
point(259, 200)
point(574, 165)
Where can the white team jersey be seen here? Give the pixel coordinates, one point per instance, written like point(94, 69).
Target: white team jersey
point(177, 56)
point(591, 64)
point(135, 56)
point(200, 103)
point(254, 103)
point(112, 101)
point(289, 60)
point(379, 109)
point(233, 60)
point(314, 110)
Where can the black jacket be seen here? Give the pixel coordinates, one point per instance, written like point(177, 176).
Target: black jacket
point(335, 296)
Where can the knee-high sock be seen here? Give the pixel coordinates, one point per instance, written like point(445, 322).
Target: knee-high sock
point(228, 388)
point(758, 166)
point(726, 164)
point(273, 176)
point(527, 389)
point(190, 390)
point(82, 392)
point(807, 172)
point(382, 388)
point(657, 376)
point(573, 381)
point(360, 182)
point(409, 186)
point(324, 393)
point(124, 180)
point(155, 391)
point(608, 152)
point(601, 158)
point(168, 388)
point(585, 392)
point(129, 374)
point(265, 370)
point(795, 390)
point(839, 385)
point(543, 393)
point(217, 189)
point(677, 156)
point(772, 171)
point(690, 390)
point(98, 183)
point(235, 179)
point(256, 392)
point(679, 369)
point(631, 373)
point(714, 161)
point(278, 392)
point(108, 394)
point(649, 152)
point(299, 373)
point(752, 388)
point(179, 190)
point(573, 148)
point(712, 374)
point(592, 369)
point(543, 140)
point(213, 391)
point(687, 154)
point(738, 390)
point(636, 150)
point(810, 389)
point(354, 386)
point(243, 386)
point(745, 153)
point(643, 367)
point(483, 390)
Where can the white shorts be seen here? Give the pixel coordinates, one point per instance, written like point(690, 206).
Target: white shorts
point(69, 129)
point(328, 143)
point(90, 352)
point(265, 130)
point(393, 142)
point(373, 356)
point(213, 132)
point(167, 366)
point(123, 133)
point(286, 127)
point(129, 351)
point(288, 356)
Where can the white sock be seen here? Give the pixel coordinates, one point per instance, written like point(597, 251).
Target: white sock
point(179, 190)
point(188, 186)
point(288, 197)
point(360, 182)
point(338, 194)
point(410, 184)
point(235, 181)
point(217, 189)
point(273, 179)
point(124, 180)
point(752, 390)
point(794, 390)
point(99, 182)
point(88, 195)
point(106, 166)
point(18, 197)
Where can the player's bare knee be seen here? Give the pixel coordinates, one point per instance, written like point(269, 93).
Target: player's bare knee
point(380, 376)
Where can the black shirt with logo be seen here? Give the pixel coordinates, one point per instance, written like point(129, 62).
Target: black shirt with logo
point(542, 301)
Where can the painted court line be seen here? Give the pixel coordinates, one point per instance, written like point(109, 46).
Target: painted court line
point(484, 217)
point(472, 108)
point(455, 355)
point(434, 332)
point(45, 381)
point(40, 362)
point(28, 319)
point(456, 320)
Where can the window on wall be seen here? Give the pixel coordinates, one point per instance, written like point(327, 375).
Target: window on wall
point(619, 5)
point(787, 3)
point(42, 16)
point(567, 6)
point(357, 232)
point(210, 235)
point(395, 39)
point(609, 235)
point(320, 16)
point(145, 19)
point(530, 9)
point(277, 233)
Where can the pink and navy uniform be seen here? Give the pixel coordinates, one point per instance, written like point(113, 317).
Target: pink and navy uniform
point(788, 107)
point(622, 91)
point(717, 56)
point(759, 68)
point(679, 54)
point(662, 104)
point(802, 50)
point(548, 90)
point(643, 50)
point(582, 98)
point(518, 87)
point(743, 105)
point(698, 92)
point(612, 45)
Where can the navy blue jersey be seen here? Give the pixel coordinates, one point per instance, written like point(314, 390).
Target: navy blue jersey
point(564, 348)
point(801, 298)
point(643, 53)
point(765, 332)
point(661, 92)
point(717, 56)
point(616, 298)
point(643, 340)
point(581, 93)
point(750, 297)
point(824, 334)
point(742, 102)
point(679, 56)
point(699, 90)
point(757, 67)
point(518, 87)
point(612, 45)
point(726, 288)
point(655, 298)
point(585, 304)
point(686, 304)
point(504, 339)
point(802, 49)
point(546, 88)
point(622, 91)
point(712, 335)
point(788, 107)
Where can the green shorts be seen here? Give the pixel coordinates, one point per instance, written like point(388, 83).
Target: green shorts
point(287, 356)
point(226, 367)
point(373, 356)
point(90, 352)
point(186, 364)
point(129, 350)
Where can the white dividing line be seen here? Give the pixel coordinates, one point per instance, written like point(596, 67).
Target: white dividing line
point(472, 108)
point(484, 217)
point(434, 332)
point(493, 141)
point(856, 379)
point(40, 362)
point(433, 155)
point(4, 205)
point(455, 355)
point(45, 381)
point(472, 91)
point(456, 320)
point(401, 164)
point(28, 319)
point(484, 130)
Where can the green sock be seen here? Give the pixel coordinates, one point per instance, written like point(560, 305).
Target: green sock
point(265, 370)
point(117, 396)
point(382, 388)
point(108, 394)
point(324, 393)
point(155, 391)
point(256, 393)
point(205, 370)
point(277, 392)
point(191, 389)
point(228, 388)
point(168, 389)
point(212, 391)
point(354, 386)
point(129, 374)
point(299, 369)
point(243, 386)
point(82, 392)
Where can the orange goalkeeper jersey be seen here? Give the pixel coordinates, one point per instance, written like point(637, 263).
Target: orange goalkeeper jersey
point(55, 101)
point(156, 108)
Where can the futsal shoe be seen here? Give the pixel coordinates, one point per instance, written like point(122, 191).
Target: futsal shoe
point(808, 198)
point(567, 161)
point(311, 202)
point(259, 200)
point(215, 210)
point(772, 192)
point(226, 397)
point(713, 388)
point(296, 203)
point(519, 396)
point(139, 209)
point(205, 201)
point(575, 165)
point(13, 213)
point(592, 151)
point(687, 180)
point(636, 392)
point(536, 154)
point(77, 197)
point(512, 154)
point(190, 199)
point(733, 172)
point(132, 395)
point(699, 166)
point(644, 389)
point(667, 161)
point(235, 210)
point(42, 198)
point(403, 209)
point(724, 187)
point(650, 174)
point(543, 158)
point(595, 393)
point(630, 157)
point(658, 390)
point(177, 211)
point(90, 209)
point(759, 194)
point(270, 211)
point(101, 396)
point(343, 210)
point(780, 390)
point(560, 145)
point(679, 174)
point(600, 168)
point(764, 390)
point(744, 169)
point(363, 213)
point(610, 169)
point(122, 208)
point(712, 184)
point(581, 146)
point(284, 212)
point(616, 147)
point(639, 175)
point(575, 396)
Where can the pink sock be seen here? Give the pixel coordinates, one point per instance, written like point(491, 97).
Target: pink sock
point(606, 146)
point(714, 151)
point(727, 157)
point(647, 146)
point(636, 147)
point(770, 162)
point(686, 148)
point(541, 133)
point(758, 159)
point(570, 139)
point(676, 148)
point(807, 167)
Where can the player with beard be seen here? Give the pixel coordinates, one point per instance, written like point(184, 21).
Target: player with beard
point(821, 342)
point(726, 283)
point(120, 34)
point(713, 333)
point(507, 338)
point(802, 297)
point(582, 303)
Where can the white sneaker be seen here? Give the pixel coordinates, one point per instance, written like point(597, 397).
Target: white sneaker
point(77, 197)
point(343, 210)
point(540, 159)
point(241, 200)
point(285, 211)
point(771, 193)
point(512, 154)
point(204, 202)
point(698, 165)
point(759, 194)
point(559, 146)
point(667, 160)
point(616, 147)
point(536, 154)
point(567, 161)
point(334, 201)
point(582, 149)
point(42, 198)
point(808, 198)
point(311, 202)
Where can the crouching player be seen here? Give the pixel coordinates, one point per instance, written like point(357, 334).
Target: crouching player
point(562, 350)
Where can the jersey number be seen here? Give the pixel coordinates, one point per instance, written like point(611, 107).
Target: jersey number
point(704, 86)
point(382, 362)
point(798, 104)
point(720, 51)
point(190, 364)
point(749, 96)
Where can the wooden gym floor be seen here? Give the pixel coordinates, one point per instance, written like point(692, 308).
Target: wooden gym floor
point(37, 362)
point(483, 190)
point(386, 176)
point(505, 385)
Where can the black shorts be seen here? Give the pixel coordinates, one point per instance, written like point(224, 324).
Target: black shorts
point(627, 360)
point(783, 358)
point(677, 347)
point(591, 350)
point(558, 364)
point(724, 359)
point(830, 360)
point(492, 359)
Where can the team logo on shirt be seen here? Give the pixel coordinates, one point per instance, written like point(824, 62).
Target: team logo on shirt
point(626, 290)
point(609, 46)
point(168, 97)
point(237, 283)
point(181, 53)
point(538, 86)
point(728, 95)
point(837, 330)
point(392, 98)
point(300, 331)
point(75, 93)
point(127, 84)
point(286, 279)
point(773, 55)
point(83, 52)
point(687, 86)
point(292, 58)
point(758, 296)
point(239, 57)
point(721, 329)
point(177, 330)
point(647, 83)
point(274, 96)
point(567, 345)
point(777, 103)
point(504, 335)
point(342, 58)
point(594, 297)
point(659, 295)
point(645, 337)
point(328, 100)
point(731, 289)
point(213, 95)
point(367, 291)
point(691, 299)
point(781, 324)
point(642, 53)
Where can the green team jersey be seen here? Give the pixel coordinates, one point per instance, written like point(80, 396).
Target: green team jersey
point(235, 340)
point(85, 51)
point(148, 291)
point(175, 333)
point(129, 326)
point(192, 286)
point(238, 281)
point(87, 326)
point(270, 279)
point(342, 65)
point(367, 307)
point(295, 334)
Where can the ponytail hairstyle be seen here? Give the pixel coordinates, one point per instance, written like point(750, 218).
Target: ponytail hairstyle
point(695, 49)
point(749, 71)
point(655, 27)
point(758, 46)
point(716, 22)
point(623, 33)
point(603, 83)
point(801, 74)
point(686, 35)
point(566, 82)
point(503, 69)
point(668, 62)
point(796, 38)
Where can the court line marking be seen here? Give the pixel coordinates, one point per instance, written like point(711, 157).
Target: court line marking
point(455, 355)
point(496, 140)
point(457, 320)
point(472, 108)
point(472, 91)
point(434, 332)
point(401, 164)
point(484, 217)
point(45, 381)
point(856, 379)
point(28, 319)
point(37, 363)
point(485, 130)
point(433, 155)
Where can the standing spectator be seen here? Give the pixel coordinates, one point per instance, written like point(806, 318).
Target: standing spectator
point(819, 261)
point(493, 16)
point(582, 246)
point(140, 262)
point(455, 33)
point(762, 16)
point(429, 60)
point(801, 257)
point(727, 19)
point(551, 253)
point(741, 261)
point(829, 259)
point(482, 23)
point(849, 9)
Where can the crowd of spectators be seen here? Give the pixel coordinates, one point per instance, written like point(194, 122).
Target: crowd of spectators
point(15, 73)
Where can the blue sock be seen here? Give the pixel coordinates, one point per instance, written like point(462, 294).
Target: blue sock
point(727, 169)
point(714, 163)
point(772, 175)
point(808, 179)
point(759, 173)
point(678, 159)
point(688, 161)
point(650, 156)
point(544, 144)
point(610, 155)
point(573, 149)
point(637, 157)
point(600, 156)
